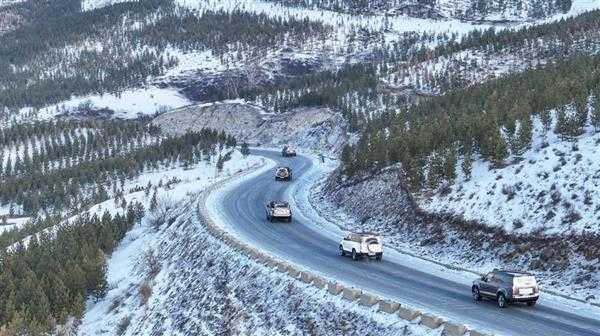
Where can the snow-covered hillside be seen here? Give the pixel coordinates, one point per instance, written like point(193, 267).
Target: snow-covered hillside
point(553, 188)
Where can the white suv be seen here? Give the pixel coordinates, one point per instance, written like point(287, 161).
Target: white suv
point(360, 245)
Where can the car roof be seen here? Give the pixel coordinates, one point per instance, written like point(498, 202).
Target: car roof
point(512, 273)
point(366, 234)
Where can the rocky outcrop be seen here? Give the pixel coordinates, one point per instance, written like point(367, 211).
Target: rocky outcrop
point(313, 128)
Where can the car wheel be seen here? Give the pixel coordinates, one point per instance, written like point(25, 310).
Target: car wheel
point(289, 219)
point(354, 255)
point(476, 294)
point(501, 301)
point(531, 303)
point(342, 252)
point(379, 257)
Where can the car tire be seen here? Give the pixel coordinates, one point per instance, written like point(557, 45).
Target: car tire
point(501, 300)
point(531, 303)
point(379, 257)
point(354, 255)
point(342, 252)
point(476, 294)
point(289, 220)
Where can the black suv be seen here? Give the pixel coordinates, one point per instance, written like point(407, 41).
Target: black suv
point(506, 287)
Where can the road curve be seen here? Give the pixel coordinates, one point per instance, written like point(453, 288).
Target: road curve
point(306, 245)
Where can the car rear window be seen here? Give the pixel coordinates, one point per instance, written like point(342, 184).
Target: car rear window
point(372, 241)
point(525, 281)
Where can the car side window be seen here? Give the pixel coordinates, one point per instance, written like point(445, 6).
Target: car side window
point(489, 277)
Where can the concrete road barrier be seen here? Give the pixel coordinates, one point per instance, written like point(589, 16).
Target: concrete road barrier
point(454, 329)
point(369, 300)
point(291, 271)
point(389, 307)
point(306, 277)
point(431, 321)
point(408, 314)
point(281, 267)
point(269, 262)
point(351, 294)
point(334, 288)
point(477, 333)
point(319, 282)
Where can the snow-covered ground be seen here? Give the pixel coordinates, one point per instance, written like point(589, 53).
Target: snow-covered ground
point(178, 280)
point(127, 104)
point(9, 2)
point(13, 223)
point(88, 5)
point(553, 189)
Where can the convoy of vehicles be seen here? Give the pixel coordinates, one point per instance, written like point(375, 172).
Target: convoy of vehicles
point(283, 174)
point(506, 287)
point(503, 286)
point(278, 210)
point(359, 245)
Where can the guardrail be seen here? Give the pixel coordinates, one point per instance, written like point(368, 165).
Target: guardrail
point(335, 288)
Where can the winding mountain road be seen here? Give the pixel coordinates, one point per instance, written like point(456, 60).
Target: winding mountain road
point(312, 247)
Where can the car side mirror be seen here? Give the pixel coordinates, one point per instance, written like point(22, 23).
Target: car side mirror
point(483, 278)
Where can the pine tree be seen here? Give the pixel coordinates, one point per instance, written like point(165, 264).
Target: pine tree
point(595, 118)
point(154, 200)
point(245, 149)
point(467, 165)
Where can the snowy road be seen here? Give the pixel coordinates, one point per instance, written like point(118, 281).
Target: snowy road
point(241, 208)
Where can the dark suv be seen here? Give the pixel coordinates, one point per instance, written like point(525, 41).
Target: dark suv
point(506, 287)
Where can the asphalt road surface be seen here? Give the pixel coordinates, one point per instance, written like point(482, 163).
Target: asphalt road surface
point(308, 246)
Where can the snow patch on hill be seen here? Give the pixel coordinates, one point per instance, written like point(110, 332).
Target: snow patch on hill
point(128, 104)
point(554, 188)
point(88, 5)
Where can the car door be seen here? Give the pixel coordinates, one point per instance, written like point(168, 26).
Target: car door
point(346, 244)
point(487, 285)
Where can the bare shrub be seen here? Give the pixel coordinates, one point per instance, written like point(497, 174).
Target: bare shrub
point(116, 302)
point(123, 325)
point(145, 292)
point(151, 264)
point(517, 224)
point(160, 213)
point(509, 191)
point(572, 217)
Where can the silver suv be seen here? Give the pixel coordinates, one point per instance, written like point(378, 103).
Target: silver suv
point(506, 287)
point(278, 210)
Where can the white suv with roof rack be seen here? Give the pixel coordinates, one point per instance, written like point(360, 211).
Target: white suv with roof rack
point(359, 245)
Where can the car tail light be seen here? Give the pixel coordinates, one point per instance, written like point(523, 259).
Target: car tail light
point(515, 291)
